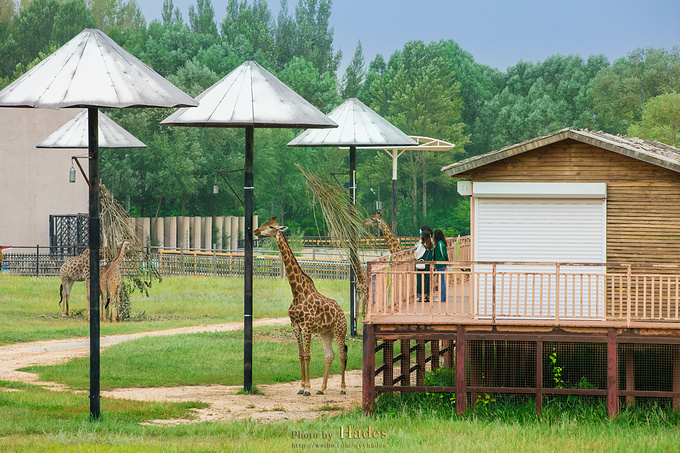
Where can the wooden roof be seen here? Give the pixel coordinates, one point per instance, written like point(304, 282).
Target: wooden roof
point(649, 151)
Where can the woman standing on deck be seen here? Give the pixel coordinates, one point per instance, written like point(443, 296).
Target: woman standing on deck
point(424, 252)
point(440, 254)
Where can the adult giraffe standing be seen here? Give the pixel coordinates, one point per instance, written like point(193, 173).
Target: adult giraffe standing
point(310, 312)
point(111, 283)
point(74, 269)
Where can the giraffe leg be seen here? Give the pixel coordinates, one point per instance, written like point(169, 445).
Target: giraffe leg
point(87, 295)
point(301, 351)
point(327, 340)
point(340, 334)
point(117, 303)
point(307, 337)
point(66, 284)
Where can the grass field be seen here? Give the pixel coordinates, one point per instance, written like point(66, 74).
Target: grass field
point(34, 419)
point(30, 311)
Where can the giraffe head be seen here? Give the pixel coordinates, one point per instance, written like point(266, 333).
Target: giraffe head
point(373, 220)
point(270, 228)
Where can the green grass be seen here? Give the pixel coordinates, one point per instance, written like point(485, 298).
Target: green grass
point(30, 311)
point(33, 419)
point(198, 359)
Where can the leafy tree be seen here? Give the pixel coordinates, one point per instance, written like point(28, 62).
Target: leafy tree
point(170, 14)
point(202, 18)
point(252, 23)
point(621, 91)
point(284, 37)
point(354, 74)
point(315, 35)
point(321, 91)
point(660, 120)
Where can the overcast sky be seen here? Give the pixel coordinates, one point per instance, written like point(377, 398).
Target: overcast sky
point(497, 33)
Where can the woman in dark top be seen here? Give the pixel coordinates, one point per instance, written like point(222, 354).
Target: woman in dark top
point(440, 254)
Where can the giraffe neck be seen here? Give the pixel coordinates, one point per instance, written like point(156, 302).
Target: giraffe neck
point(296, 277)
point(392, 242)
point(119, 258)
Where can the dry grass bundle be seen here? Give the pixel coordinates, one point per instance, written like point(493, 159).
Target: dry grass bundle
point(344, 223)
point(117, 226)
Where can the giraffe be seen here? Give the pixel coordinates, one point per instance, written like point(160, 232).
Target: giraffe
point(392, 242)
point(74, 269)
point(310, 312)
point(111, 283)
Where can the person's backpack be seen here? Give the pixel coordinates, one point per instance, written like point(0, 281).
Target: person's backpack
point(427, 256)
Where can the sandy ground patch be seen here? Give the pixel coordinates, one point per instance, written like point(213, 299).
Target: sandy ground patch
point(279, 401)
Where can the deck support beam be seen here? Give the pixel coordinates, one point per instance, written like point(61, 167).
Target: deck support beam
point(461, 394)
point(539, 377)
point(630, 374)
point(675, 358)
point(612, 375)
point(368, 381)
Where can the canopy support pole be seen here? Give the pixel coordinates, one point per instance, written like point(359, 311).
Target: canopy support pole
point(94, 233)
point(248, 258)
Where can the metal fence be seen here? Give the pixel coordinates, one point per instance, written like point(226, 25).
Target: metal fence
point(324, 264)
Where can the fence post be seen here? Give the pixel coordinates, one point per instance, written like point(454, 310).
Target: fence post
point(37, 259)
point(629, 279)
point(493, 294)
point(557, 294)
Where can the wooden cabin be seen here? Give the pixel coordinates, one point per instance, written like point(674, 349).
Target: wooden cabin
point(574, 253)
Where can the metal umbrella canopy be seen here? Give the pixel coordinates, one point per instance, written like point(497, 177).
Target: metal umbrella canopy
point(92, 71)
point(73, 134)
point(250, 97)
point(359, 126)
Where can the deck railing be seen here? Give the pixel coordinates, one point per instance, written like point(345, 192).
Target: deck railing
point(533, 293)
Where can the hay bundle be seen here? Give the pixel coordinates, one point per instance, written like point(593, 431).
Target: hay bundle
point(343, 222)
point(116, 226)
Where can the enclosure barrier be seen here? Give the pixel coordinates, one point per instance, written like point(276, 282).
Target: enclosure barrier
point(468, 367)
point(620, 295)
point(322, 264)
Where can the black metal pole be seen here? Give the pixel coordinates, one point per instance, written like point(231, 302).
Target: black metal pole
point(248, 271)
point(94, 243)
point(353, 255)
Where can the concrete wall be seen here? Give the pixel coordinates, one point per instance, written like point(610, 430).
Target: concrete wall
point(34, 182)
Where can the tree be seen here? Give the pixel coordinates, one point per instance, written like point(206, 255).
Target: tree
point(170, 14)
point(202, 18)
point(250, 23)
point(660, 120)
point(418, 94)
point(284, 37)
point(315, 35)
point(354, 74)
point(621, 91)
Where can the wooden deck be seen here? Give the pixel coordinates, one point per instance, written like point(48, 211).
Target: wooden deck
point(501, 324)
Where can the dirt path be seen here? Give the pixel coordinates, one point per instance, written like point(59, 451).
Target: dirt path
point(279, 402)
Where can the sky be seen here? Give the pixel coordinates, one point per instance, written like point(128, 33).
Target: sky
point(497, 33)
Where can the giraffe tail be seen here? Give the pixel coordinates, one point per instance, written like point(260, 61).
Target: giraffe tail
point(61, 293)
point(108, 300)
point(345, 356)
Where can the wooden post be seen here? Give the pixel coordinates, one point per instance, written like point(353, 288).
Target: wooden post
point(448, 356)
point(420, 361)
point(612, 376)
point(388, 362)
point(461, 394)
point(405, 363)
point(675, 357)
point(434, 350)
point(539, 377)
point(368, 382)
point(630, 373)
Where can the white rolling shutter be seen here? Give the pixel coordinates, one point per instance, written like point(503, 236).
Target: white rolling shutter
point(526, 228)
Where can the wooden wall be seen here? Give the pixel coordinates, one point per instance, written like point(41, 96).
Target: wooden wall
point(643, 200)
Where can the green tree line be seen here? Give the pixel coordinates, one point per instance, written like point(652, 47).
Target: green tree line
point(431, 89)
